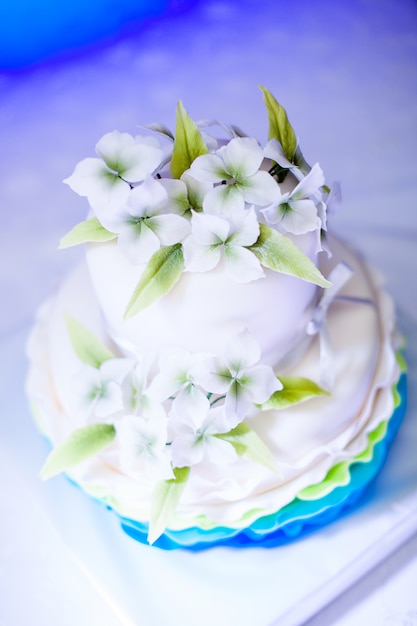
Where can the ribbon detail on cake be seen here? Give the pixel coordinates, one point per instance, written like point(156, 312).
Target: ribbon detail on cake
point(339, 276)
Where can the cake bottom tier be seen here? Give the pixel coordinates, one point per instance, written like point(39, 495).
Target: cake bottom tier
point(328, 449)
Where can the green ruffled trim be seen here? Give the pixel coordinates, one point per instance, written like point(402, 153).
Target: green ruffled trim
point(339, 475)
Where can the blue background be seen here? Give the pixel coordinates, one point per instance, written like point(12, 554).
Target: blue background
point(34, 30)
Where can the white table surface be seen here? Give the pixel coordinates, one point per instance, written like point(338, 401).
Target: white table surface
point(347, 74)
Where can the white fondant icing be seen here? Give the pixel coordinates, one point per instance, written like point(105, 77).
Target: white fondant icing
point(307, 439)
point(203, 310)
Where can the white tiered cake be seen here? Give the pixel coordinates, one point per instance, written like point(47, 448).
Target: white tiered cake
point(218, 369)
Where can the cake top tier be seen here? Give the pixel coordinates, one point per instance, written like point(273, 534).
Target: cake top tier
point(192, 203)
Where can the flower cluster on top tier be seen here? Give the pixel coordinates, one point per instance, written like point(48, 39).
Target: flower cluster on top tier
point(217, 200)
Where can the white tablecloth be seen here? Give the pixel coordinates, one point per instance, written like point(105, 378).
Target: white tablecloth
point(347, 74)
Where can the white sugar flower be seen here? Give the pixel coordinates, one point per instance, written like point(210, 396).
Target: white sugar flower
point(185, 194)
point(214, 239)
point(143, 224)
point(237, 375)
point(143, 449)
point(124, 160)
point(236, 165)
point(176, 378)
point(138, 398)
point(98, 391)
point(274, 151)
point(194, 439)
point(296, 211)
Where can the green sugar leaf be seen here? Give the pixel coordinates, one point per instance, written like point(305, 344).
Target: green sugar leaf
point(87, 346)
point(280, 254)
point(160, 275)
point(165, 498)
point(89, 231)
point(279, 126)
point(295, 390)
point(188, 143)
point(401, 360)
point(82, 444)
point(250, 446)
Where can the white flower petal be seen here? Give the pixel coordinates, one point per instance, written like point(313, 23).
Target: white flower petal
point(158, 466)
point(103, 188)
point(140, 161)
point(109, 398)
point(322, 214)
point(218, 451)
point(169, 229)
point(196, 189)
point(148, 140)
point(110, 401)
point(174, 372)
point(142, 447)
point(137, 397)
point(208, 168)
point(213, 375)
point(191, 400)
point(200, 258)
point(111, 147)
point(246, 229)
point(241, 265)
point(86, 174)
point(109, 196)
point(116, 220)
point(216, 421)
point(86, 383)
point(301, 218)
point(310, 184)
point(116, 369)
point(242, 157)
point(177, 195)
point(129, 242)
point(186, 450)
point(148, 199)
point(138, 242)
point(242, 351)
point(163, 386)
point(132, 158)
point(274, 151)
point(260, 189)
point(191, 413)
point(209, 230)
point(260, 383)
point(334, 199)
point(224, 200)
point(190, 447)
point(276, 212)
point(237, 404)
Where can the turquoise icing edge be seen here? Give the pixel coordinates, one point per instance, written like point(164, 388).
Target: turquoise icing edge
point(295, 519)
